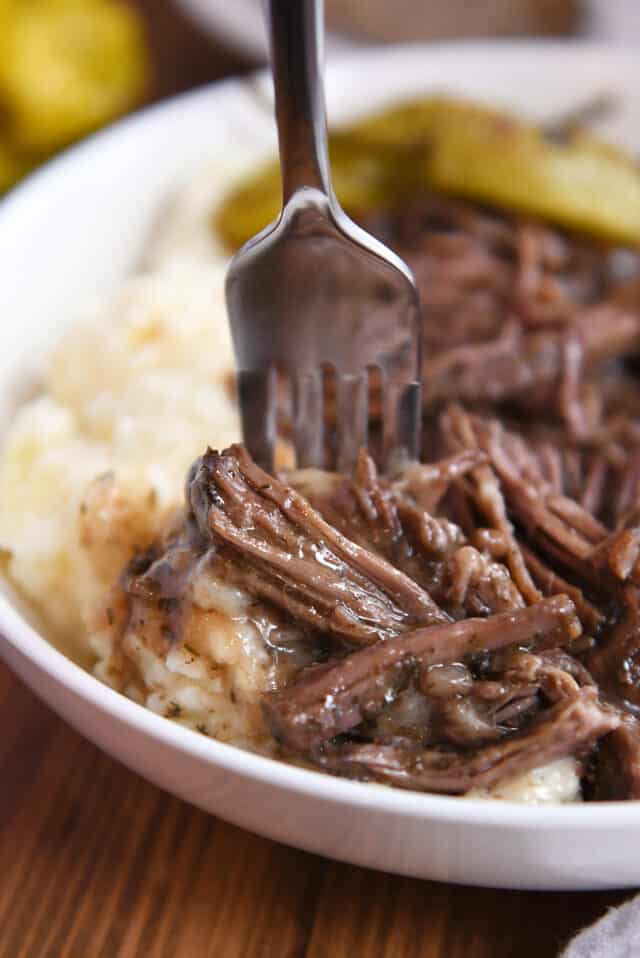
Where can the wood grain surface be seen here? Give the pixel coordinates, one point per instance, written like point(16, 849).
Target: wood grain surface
point(96, 863)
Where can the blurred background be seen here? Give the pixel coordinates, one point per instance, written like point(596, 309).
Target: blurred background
point(68, 67)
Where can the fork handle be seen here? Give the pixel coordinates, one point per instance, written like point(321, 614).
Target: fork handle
point(296, 29)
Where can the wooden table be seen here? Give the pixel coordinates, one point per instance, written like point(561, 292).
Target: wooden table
point(96, 863)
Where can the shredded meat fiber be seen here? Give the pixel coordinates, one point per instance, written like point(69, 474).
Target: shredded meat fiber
point(477, 615)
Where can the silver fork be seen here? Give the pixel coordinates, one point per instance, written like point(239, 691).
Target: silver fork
point(323, 316)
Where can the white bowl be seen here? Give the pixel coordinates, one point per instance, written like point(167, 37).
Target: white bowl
point(72, 230)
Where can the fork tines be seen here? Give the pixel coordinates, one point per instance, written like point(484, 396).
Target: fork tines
point(320, 418)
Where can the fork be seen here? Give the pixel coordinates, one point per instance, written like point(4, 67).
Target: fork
point(325, 320)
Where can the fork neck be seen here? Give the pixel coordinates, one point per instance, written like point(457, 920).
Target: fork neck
point(296, 30)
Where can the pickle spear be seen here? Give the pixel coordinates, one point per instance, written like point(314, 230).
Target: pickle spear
point(67, 67)
point(579, 183)
point(363, 180)
point(465, 149)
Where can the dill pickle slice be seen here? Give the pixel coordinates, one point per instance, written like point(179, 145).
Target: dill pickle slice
point(363, 179)
point(248, 208)
point(373, 162)
point(67, 67)
point(406, 125)
point(466, 149)
point(582, 183)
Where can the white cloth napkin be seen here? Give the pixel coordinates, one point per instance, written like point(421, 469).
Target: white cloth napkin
point(616, 935)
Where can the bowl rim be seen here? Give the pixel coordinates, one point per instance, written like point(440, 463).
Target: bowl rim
point(30, 644)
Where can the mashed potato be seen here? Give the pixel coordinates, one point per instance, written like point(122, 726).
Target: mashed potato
point(554, 783)
point(90, 468)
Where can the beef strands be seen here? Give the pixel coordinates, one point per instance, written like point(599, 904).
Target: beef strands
point(476, 615)
point(283, 551)
point(418, 599)
point(514, 311)
point(562, 730)
point(335, 698)
point(617, 769)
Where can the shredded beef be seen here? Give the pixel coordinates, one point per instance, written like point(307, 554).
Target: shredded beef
point(562, 730)
point(476, 615)
point(282, 550)
point(334, 698)
point(617, 773)
point(513, 310)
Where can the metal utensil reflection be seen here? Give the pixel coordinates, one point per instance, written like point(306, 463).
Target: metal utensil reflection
point(323, 316)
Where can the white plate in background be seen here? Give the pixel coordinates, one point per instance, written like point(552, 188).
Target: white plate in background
point(240, 24)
